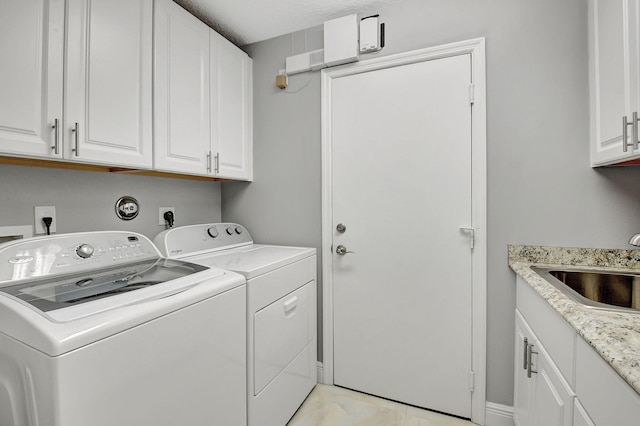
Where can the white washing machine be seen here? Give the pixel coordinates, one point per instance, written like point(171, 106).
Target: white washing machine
point(96, 329)
point(281, 311)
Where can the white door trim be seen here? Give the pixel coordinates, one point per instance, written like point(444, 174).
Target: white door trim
point(476, 48)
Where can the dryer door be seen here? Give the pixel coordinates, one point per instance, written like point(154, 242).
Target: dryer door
point(281, 330)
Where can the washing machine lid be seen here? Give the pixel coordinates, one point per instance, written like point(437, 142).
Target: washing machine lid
point(253, 260)
point(46, 295)
point(228, 246)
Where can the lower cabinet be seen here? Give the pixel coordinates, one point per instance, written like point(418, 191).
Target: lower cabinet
point(560, 380)
point(605, 397)
point(542, 395)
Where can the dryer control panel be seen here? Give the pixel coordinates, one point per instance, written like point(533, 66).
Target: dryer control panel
point(189, 240)
point(71, 253)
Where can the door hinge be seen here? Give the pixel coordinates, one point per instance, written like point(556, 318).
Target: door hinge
point(472, 235)
point(472, 381)
point(471, 93)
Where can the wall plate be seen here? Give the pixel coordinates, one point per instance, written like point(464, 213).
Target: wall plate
point(161, 210)
point(44, 211)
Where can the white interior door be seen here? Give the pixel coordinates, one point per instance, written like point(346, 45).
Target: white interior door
point(401, 185)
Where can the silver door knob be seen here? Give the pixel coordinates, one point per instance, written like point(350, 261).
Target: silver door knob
point(342, 250)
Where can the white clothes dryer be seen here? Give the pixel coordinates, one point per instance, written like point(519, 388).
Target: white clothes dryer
point(281, 311)
point(98, 329)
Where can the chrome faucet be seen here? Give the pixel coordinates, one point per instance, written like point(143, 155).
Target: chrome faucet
point(635, 240)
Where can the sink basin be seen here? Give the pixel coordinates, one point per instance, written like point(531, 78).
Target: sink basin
point(596, 289)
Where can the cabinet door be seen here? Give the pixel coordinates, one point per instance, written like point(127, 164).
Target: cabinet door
point(108, 82)
point(522, 387)
point(181, 95)
point(552, 396)
point(545, 398)
point(231, 110)
point(31, 48)
point(580, 416)
point(614, 79)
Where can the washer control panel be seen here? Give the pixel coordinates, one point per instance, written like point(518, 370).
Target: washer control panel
point(206, 237)
point(71, 253)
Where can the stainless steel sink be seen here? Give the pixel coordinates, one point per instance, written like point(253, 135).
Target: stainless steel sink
point(596, 289)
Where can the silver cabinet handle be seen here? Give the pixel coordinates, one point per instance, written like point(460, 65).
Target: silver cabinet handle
point(525, 353)
point(56, 144)
point(217, 164)
point(76, 130)
point(624, 133)
point(530, 369)
point(634, 132)
point(209, 162)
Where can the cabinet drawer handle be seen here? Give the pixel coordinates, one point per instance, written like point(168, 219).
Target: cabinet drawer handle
point(217, 164)
point(56, 144)
point(530, 369)
point(209, 162)
point(525, 361)
point(76, 130)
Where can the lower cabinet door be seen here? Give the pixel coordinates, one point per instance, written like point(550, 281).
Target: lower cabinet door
point(522, 385)
point(542, 396)
point(580, 416)
point(553, 396)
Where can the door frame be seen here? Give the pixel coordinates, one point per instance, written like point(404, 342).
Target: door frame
point(476, 48)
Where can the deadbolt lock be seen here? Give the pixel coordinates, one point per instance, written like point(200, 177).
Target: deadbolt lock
point(341, 228)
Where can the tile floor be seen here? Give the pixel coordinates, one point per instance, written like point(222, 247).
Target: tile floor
point(334, 406)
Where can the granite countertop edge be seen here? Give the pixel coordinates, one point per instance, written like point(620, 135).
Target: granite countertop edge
point(614, 335)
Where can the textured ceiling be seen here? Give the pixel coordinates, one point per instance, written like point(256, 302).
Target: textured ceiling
point(248, 21)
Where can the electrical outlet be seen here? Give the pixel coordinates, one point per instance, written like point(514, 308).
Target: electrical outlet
point(44, 211)
point(161, 210)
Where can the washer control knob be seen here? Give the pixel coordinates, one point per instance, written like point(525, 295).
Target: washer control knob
point(230, 231)
point(238, 230)
point(85, 251)
point(213, 232)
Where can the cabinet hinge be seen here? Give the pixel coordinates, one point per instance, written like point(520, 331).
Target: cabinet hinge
point(471, 94)
point(472, 381)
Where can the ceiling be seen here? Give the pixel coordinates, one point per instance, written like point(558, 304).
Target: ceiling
point(249, 21)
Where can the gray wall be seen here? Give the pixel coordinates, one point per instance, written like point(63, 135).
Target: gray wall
point(85, 200)
point(541, 189)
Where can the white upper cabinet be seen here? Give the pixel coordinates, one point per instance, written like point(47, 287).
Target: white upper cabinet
point(203, 99)
point(181, 103)
point(105, 116)
point(614, 79)
point(231, 110)
point(80, 83)
point(31, 73)
point(108, 110)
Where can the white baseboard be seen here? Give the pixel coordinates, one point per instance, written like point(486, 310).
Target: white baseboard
point(320, 373)
point(499, 415)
